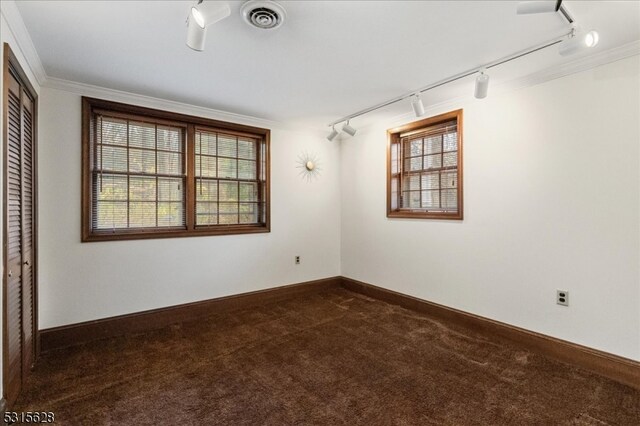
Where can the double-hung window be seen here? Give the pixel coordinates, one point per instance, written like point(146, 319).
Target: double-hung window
point(424, 168)
point(153, 174)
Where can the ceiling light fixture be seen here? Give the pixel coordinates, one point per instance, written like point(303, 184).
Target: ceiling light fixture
point(418, 106)
point(577, 42)
point(333, 134)
point(482, 85)
point(534, 7)
point(589, 39)
point(348, 129)
point(200, 17)
point(529, 7)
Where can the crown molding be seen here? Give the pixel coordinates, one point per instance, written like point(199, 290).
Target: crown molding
point(558, 71)
point(574, 67)
point(12, 16)
point(157, 103)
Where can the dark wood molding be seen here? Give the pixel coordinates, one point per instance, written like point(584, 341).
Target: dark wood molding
point(140, 322)
point(189, 124)
point(3, 408)
point(614, 367)
point(393, 137)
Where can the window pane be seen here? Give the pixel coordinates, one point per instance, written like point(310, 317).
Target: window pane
point(142, 188)
point(110, 187)
point(228, 213)
point(248, 213)
point(394, 193)
point(450, 159)
point(142, 161)
point(227, 146)
point(413, 164)
point(247, 149)
point(170, 189)
point(433, 144)
point(248, 191)
point(111, 158)
point(431, 180)
point(169, 139)
point(411, 183)
point(246, 169)
point(394, 158)
point(206, 208)
point(206, 213)
point(142, 135)
point(170, 214)
point(227, 168)
point(113, 132)
point(169, 163)
point(413, 148)
point(411, 199)
point(450, 199)
point(431, 199)
point(206, 166)
point(111, 215)
point(451, 141)
point(206, 190)
point(450, 180)
point(142, 214)
point(432, 161)
point(205, 143)
point(263, 162)
point(229, 191)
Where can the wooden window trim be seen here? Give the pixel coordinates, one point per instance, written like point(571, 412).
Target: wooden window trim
point(393, 136)
point(190, 123)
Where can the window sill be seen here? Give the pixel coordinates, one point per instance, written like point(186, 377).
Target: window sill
point(89, 237)
point(408, 214)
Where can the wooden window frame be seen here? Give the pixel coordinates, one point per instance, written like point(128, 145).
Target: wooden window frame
point(90, 106)
point(393, 137)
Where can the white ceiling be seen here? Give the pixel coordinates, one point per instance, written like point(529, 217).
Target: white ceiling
point(328, 60)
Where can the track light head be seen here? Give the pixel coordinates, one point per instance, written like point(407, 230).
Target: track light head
point(529, 7)
point(482, 85)
point(591, 38)
point(200, 16)
point(197, 17)
point(196, 35)
point(348, 129)
point(578, 42)
point(418, 106)
point(333, 134)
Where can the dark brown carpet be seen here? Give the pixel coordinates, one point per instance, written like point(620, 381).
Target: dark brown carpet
point(333, 358)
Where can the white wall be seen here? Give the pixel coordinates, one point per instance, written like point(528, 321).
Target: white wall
point(552, 190)
point(86, 281)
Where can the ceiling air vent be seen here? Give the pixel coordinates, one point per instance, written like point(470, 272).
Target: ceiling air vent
point(266, 15)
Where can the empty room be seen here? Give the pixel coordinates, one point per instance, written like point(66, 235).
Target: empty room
point(265, 212)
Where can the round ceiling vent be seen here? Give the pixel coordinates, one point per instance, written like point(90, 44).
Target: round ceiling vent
point(266, 15)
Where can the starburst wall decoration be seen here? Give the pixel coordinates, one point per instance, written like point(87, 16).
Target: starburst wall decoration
point(309, 166)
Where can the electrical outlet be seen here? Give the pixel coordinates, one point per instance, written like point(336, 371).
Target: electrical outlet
point(297, 260)
point(562, 297)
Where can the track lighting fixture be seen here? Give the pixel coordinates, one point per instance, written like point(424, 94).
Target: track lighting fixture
point(528, 7)
point(578, 42)
point(568, 43)
point(348, 129)
point(200, 17)
point(418, 107)
point(482, 85)
point(333, 133)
